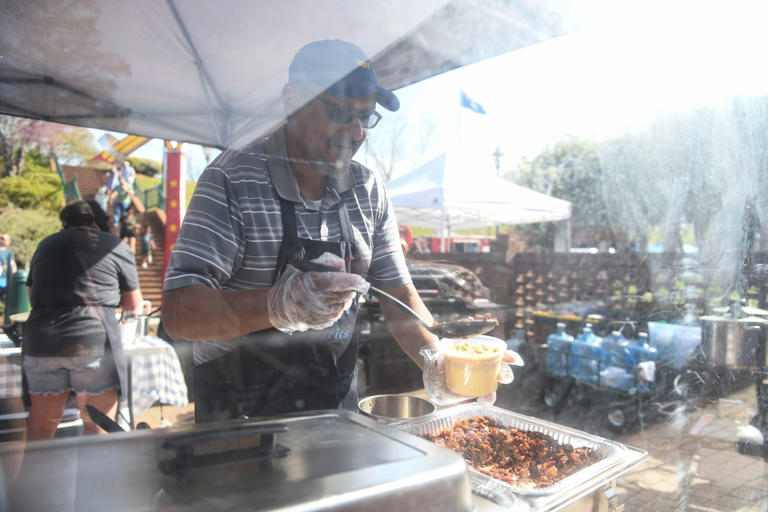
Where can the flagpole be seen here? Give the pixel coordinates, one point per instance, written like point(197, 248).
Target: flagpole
point(458, 122)
point(444, 225)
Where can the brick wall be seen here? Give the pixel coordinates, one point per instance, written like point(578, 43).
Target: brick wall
point(89, 179)
point(665, 285)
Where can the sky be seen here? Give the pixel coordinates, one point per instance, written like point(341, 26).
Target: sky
point(611, 78)
point(631, 63)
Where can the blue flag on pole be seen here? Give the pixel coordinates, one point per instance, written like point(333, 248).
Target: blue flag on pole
point(471, 104)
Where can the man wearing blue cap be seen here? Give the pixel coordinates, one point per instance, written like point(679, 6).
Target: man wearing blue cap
point(279, 340)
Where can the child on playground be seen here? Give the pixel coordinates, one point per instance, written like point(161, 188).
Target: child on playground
point(147, 245)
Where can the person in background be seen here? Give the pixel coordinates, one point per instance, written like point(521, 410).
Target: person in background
point(147, 245)
point(100, 216)
point(102, 197)
point(113, 178)
point(112, 184)
point(256, 215)
point(77, 278)
point(7, 264)
point(419, 246)
point(122, 204)
point(128, 173)
point(128, 229)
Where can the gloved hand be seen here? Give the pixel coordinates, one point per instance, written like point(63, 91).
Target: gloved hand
point(435, 380)
point(299, 301)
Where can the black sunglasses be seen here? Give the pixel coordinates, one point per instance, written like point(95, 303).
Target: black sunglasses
point(343, 115)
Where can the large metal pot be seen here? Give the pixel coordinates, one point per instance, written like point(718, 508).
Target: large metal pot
point(734, 340)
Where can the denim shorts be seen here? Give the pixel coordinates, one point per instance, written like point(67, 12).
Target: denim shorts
point(84, 374)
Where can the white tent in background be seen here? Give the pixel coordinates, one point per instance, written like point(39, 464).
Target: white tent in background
point(450, 193)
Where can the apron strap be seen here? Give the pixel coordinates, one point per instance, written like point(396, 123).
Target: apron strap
point(345, 222)
point(291, 247)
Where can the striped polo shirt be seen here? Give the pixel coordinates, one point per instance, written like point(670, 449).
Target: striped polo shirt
point(232, 231)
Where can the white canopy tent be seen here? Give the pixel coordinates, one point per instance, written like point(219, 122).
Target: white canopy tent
point(444, 194)
point(212, 72)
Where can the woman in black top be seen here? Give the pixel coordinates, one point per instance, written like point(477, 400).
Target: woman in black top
point(77, 278)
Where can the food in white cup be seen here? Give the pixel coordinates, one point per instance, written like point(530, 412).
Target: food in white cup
point(472, 364)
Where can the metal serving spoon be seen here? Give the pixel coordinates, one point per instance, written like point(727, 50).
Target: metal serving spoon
point(449, 329)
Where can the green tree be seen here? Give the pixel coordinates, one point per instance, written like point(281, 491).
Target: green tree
point(27, 228)
point(146, 166)
point(569, 169)
point(75, 145)
point(18, 136)
point(37, 186)
point(700, 168)
point(696, 171)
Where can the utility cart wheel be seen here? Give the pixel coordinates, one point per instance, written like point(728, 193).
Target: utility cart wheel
point(550, 397)
point(554, 392)
point(696, 385)
point(616, 419)
point(620, 417)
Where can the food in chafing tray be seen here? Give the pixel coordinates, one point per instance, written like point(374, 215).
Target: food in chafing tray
point(524, 459)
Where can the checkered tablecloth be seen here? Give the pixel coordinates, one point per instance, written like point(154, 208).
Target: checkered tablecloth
point(156, 374)
point(10, 372)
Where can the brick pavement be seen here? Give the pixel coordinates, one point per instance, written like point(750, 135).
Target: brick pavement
point(694, 463)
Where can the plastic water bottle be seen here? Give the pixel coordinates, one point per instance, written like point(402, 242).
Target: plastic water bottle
point(586, 354)
point(614, 372)
point(559, 348)
point(615, 349)
point(641, 351)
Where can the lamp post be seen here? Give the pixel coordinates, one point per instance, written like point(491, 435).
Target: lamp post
point(497, 159)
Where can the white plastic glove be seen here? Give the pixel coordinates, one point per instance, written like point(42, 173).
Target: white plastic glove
point(300, 301)
point(435, 381)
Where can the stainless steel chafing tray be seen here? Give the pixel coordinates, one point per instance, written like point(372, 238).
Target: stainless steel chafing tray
point(331, 460)
point(615, 459)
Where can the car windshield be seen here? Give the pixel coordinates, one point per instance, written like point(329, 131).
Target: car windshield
point(593, 175)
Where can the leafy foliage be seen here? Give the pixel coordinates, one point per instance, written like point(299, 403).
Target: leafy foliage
point(37, 186)
point(75, 145)
point(700, 169)
point(146, 166)
point(570, 170)
point(19, 136)
point(27, 228)
point(687, 176)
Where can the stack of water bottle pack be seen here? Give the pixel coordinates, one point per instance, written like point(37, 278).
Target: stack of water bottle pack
point(612, 361)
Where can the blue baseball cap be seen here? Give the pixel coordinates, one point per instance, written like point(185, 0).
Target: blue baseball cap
point(341, 69)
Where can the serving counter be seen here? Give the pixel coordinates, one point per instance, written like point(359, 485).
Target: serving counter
point(328, 460)
point(331, 460)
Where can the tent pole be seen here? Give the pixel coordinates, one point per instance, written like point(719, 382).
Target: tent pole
point(206, 81)
point(442, 230)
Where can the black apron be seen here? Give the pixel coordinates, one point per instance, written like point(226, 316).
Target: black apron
point(270, 372)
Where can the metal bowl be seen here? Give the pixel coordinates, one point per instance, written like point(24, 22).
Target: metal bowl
point(390, 408)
